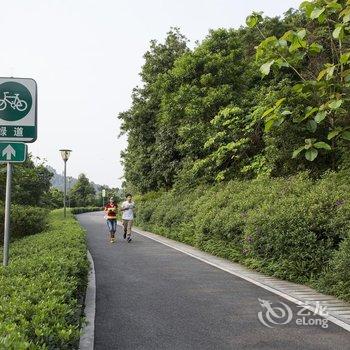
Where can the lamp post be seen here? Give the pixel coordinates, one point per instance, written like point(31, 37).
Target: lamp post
point(65, 153)
point(69, 188)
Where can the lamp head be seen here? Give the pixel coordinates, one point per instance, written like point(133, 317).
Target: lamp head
point(65, 153)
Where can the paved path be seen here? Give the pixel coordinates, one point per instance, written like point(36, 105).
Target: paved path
point(150, 296)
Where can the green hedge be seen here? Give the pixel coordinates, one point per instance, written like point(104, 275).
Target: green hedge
point(80, 210)
point(296, 228)
point(25, 220)
point(42, 288)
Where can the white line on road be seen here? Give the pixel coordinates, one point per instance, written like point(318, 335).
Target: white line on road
point(239, 271)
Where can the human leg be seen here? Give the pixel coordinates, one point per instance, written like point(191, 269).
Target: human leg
point(112, 228)
point(128, 230)
point(125, 227)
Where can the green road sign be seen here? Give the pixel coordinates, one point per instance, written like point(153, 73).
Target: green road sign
point(13, 152)
point(18, 110)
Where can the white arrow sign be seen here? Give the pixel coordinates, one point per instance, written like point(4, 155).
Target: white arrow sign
point(9, 152)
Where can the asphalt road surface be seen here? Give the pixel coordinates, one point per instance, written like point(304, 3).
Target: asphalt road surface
point(150, 296)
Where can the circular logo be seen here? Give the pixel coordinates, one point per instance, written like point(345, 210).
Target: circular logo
point(15, 101)
point(273, 315)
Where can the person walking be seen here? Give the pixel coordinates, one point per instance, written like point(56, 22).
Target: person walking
point(111, 216)
point(128, 208)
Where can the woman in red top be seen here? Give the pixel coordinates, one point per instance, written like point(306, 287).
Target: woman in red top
point(111, 209)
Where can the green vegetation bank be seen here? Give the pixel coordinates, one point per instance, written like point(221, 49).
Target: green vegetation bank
point(240, 145)
point(42, 288)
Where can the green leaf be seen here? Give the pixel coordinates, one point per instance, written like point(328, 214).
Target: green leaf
point(288, 36)
point(338, 32)
point(335, 104)
point(296, 152)
point(317, 12)
point(269, 125)
point(308, 7)
point(302, 33)
point(330, 72)
point(320, 116)
point(310, 111)
point(315, 48)
point(282, 43)
point(335, 6)
point(311, 154)
point(282, 63)
point(333, 134)
point(322, 74)
point(298, 88)
point(265, 68)
point(344, 58)
point(323, 145)
point(311, 126)
point(297, 44)
point(251, 21)
point(346, 135)
point(267, 112)
point(279, 102)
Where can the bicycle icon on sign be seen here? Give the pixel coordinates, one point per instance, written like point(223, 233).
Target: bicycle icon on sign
point(13, 101)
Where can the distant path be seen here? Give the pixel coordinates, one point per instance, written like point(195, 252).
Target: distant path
point(150, 296)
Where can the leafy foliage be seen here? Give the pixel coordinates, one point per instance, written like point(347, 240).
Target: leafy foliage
point(24, 221)
point(294, 228)
point(31, 183)
point(206, 115)
point(41, 288)
point(82, 193)
point(318, 55)
point(81, 210)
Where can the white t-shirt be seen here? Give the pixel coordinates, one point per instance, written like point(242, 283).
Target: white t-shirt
point(129, 213)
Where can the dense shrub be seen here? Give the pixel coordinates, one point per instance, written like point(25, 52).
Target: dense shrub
point(293, 228)
point(40, 289)
point(335, 279)
point(25, 220)
point(80, 210)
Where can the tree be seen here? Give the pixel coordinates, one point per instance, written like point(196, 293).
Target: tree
point(207, 115)
point(53, 198)
point(82, 193)
point(140, 122)
point(318, 55)
point(30, 182)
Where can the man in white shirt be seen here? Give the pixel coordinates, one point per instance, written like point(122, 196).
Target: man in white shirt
point(128, 216)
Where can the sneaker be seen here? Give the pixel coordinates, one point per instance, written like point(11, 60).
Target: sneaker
point(129, 239)
point(112, 240)
point(124, 235)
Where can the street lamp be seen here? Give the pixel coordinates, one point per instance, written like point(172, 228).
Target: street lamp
point(65, 153)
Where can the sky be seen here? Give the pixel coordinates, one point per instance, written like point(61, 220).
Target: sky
point(86, 56)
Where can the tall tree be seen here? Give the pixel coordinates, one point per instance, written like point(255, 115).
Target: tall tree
point(82, 193)
point(140, 121)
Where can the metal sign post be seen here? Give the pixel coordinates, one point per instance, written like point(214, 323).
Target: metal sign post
point(103, 197)
point(7, 214)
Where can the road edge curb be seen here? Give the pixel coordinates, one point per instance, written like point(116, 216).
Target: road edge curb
point(88, 331)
